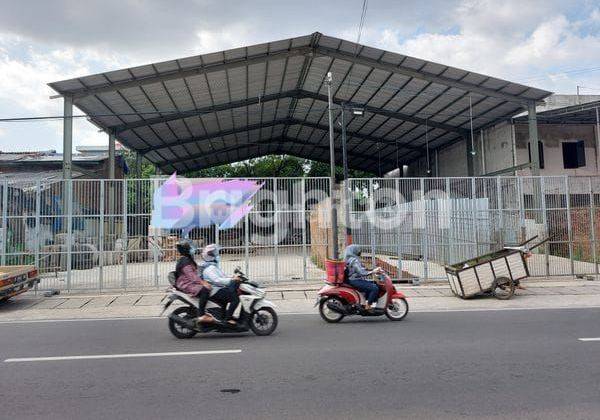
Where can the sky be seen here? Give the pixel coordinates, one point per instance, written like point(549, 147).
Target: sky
point(553, 45)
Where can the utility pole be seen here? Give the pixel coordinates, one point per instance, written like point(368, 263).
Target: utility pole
point(334, 224)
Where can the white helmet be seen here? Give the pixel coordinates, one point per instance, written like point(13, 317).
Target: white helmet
point(210, 252)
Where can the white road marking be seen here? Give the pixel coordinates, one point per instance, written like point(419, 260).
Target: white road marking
point(589, 339)
point(120, 356)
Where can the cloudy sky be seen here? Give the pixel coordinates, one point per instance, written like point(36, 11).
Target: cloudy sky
point(549, 44)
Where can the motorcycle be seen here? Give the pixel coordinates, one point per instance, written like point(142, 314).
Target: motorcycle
point(338, 300)
point(255, 312)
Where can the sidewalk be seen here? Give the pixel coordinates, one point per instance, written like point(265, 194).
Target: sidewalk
point(300, 298)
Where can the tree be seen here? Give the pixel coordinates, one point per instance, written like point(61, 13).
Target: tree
point(323, 169)
point(274, 166)
point(147, 170)
point(261, 167)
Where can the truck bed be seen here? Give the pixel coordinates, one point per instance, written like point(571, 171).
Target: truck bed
point(16, 279)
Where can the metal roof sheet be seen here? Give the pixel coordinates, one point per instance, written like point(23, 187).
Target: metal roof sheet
point(232, 105)
point(587, 113)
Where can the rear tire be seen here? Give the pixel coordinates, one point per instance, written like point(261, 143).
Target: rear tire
point(263, 321)
point(327, 314)
point(503, 288)
point(178, 330)
point(397, 309)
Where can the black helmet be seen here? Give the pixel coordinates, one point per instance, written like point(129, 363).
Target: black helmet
point(184, 247)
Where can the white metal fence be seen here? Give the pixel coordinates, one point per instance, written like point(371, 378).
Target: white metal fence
point(420, 224)
point(94, 234)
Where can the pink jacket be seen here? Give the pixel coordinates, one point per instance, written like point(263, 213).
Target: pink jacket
point(189, 281)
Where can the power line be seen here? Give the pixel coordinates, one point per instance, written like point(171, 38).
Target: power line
point(363, 16)
point(361, 24)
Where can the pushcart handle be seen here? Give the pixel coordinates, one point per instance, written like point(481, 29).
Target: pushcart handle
point(528, 240)
point(549, 238)
point(522, 246)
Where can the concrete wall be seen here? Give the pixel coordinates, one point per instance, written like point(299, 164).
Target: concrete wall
point(497, 149)
point(504, 146)
point(452, 160)
point(496, 154)
point(560, 101)
point(552, 137)
point(502, 150)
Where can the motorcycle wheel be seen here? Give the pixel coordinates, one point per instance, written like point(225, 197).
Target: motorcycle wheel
point(327, 314)
point(179, 330)
point(397, 309)
point(263, 321)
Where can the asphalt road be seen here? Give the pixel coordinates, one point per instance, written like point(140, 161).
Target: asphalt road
point(497, 364)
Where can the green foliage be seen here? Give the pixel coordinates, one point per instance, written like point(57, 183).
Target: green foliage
point(323, 169)
point(148, 170)
point(261, 167)
point(273, 166)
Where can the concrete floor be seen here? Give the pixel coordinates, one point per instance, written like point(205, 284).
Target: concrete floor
point(286, 265)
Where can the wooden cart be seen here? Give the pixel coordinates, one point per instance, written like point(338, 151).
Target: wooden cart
point(496, 273)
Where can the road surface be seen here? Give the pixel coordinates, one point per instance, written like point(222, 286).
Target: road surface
point(489, 364)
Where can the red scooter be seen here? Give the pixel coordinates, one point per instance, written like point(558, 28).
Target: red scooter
point(336, 300)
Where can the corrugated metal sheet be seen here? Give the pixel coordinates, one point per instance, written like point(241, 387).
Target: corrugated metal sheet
point(216, 108)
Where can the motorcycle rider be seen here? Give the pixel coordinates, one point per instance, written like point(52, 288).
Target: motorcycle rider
point(224, 288)
point(357, 275)
point(188, 281)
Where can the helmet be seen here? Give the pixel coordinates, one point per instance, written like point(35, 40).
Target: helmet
point(210, 252)
point(184, 247)
point(352, 251)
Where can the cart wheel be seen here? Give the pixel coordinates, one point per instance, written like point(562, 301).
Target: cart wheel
point(503, 288)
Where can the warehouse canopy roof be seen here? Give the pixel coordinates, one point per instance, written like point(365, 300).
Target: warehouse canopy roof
point(271, 98)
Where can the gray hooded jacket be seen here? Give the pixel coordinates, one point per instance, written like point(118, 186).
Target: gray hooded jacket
point(356, 270)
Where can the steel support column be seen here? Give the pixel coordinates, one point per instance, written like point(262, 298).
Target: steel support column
point(533, 139)
point(111, 156)
point(305, 213)
point(67, 137)
point(347, 195)
point(334, 224)
point(597, 138)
